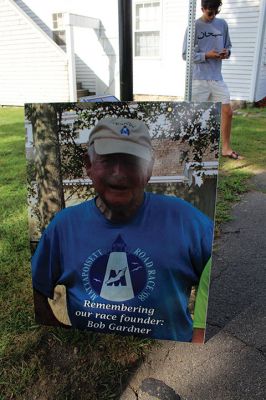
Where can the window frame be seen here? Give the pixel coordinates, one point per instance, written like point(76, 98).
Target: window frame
point(135, 30)
point(59, 30)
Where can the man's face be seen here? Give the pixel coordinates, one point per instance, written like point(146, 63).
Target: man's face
point(209, 14)
point(119, 179)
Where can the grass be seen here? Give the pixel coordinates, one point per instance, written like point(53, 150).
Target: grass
point(95, 366)
point(249, 140)
point(32, 358)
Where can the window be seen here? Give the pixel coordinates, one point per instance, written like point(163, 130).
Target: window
point(147, 29)
point(59, 34)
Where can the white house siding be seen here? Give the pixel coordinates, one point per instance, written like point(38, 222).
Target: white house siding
point(96, 50)
point(32, 67)
point(260, 90)
point(97, 62)
point(101, 53)
point(85, 75)
point(242, 17)
point(165, 75)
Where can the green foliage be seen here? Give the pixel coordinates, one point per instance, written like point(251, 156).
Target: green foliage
point(249, 139)
point(230, 188)
point(197, 125)
point(15, 281)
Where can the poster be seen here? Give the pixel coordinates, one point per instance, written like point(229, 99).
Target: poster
point(123, 259)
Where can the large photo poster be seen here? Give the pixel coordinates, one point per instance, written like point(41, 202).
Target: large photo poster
point(121, 215)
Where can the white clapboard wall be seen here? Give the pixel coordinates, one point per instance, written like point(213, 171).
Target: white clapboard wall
point(32, 68)
point(243, 18)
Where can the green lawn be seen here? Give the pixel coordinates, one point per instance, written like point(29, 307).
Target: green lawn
point(94, 366)
point(249, 140)
point(32, 358)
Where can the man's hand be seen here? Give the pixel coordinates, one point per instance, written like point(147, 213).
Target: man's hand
point(213, 54)
point(198, 335)
point(217, 55)
point(224, 54)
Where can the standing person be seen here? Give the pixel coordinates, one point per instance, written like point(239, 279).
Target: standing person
point(126, 258)
point(212, 46)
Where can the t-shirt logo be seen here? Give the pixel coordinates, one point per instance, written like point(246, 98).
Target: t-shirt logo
point(118, 275)
point(117, 283)
point(118, 278)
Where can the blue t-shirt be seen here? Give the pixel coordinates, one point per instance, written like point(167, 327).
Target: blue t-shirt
point(213, 35)
point(132, 278)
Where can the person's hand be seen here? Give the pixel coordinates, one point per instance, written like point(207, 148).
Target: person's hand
point(198, 335)
point(214, 54)
point(224, 54)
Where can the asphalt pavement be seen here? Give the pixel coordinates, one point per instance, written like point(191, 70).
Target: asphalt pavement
point(231, 364)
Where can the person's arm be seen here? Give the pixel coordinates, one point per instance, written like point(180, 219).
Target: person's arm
point(184, 49)
point(226, 52)
point(201, 305)
point(213, 54)
point(45, 275)
point(199, 56)
point(43, 312)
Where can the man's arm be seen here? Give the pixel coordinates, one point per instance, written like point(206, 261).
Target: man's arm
point(227, 44)
point(199, 57)
point(226, 52)
point(184, 49)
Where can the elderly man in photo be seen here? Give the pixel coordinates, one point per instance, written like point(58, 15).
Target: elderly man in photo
point(127, 258)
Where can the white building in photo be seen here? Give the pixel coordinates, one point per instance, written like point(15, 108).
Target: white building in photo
point(51, 49)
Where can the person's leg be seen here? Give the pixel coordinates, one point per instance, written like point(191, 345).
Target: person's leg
point(221, 93)
point(226, 125)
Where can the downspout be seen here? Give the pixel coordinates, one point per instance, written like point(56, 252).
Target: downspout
point(258, 51)
point(70, 58)
point(125, 49)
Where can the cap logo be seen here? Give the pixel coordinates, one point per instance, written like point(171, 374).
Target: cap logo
point(124, 131)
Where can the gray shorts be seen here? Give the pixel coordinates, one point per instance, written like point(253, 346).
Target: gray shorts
point(216, 91)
